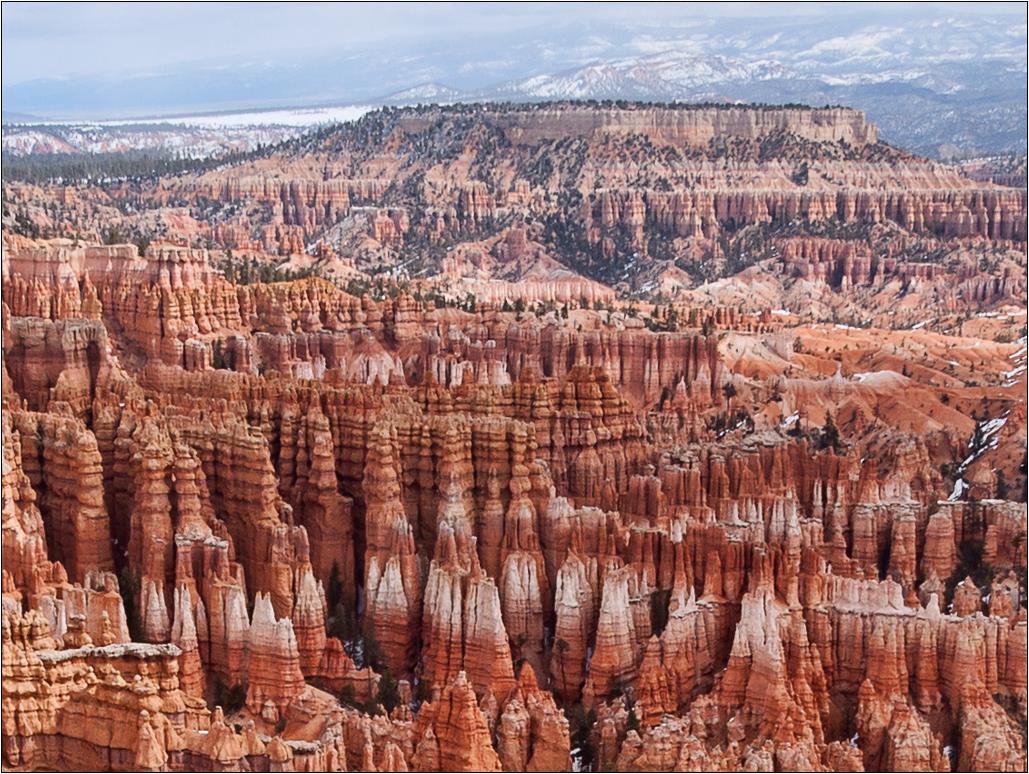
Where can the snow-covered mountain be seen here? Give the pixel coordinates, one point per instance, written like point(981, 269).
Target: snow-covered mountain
point(668, 75)
point(424, 92)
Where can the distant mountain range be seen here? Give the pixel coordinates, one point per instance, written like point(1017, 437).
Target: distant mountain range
point(937, 83)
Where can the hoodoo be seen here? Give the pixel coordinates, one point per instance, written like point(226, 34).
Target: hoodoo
point(574, 436)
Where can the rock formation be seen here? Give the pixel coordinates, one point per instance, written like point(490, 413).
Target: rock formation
point(751, 500)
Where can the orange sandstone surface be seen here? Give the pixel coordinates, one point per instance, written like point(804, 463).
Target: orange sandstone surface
point(321, 523)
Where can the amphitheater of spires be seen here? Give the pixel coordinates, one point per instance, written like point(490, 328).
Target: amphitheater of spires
point(514, 515)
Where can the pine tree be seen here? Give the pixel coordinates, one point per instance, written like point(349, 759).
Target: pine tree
point(334, 589)
point(830, 434)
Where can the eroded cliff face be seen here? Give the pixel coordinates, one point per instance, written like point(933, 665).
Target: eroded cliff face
point(277, 526)
point(671, 125)
point(555, 203)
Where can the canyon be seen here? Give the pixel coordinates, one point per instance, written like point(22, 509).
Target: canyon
point(519, 438)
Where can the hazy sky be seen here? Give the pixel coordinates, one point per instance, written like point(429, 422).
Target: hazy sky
point(58, 40)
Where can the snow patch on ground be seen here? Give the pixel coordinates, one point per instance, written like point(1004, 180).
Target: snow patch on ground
point(959, 489)
point(880, 378)
point(300, 117)
point(984, 438)
point(576, 756)
point(1019, 356)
